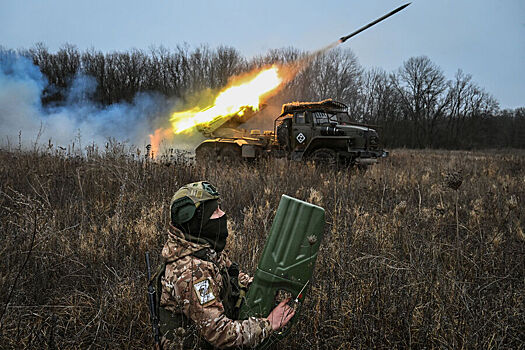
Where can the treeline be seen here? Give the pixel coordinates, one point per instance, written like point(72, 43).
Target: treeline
point(415, 106)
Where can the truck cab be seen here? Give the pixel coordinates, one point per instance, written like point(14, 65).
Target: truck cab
point(323, 131)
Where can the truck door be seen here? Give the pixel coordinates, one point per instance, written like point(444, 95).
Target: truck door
point(301, 131)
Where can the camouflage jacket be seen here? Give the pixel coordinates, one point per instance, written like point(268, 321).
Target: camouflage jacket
point(193, 287)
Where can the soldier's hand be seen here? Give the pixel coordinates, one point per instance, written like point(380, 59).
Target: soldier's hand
point(281, 315)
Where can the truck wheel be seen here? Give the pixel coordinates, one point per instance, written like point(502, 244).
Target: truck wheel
point(324, 156)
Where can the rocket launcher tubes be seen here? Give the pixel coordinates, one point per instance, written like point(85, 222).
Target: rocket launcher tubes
point(288, 258)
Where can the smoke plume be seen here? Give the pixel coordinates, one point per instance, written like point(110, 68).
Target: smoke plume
point(26, 121)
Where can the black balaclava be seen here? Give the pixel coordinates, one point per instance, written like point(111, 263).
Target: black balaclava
point(202, 229)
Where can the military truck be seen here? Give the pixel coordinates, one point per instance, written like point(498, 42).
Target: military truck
point(317, 131)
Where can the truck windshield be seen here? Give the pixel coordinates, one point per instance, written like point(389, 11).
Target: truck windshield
point(324, 118)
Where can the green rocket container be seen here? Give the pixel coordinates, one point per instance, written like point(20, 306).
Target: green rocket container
point(288, 258)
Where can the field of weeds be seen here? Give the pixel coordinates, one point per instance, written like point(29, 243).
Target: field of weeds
point(424, 250)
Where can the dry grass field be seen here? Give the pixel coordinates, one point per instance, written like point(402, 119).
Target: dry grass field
point(424, 250)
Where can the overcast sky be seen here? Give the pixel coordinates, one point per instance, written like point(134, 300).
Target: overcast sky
point(485, 38)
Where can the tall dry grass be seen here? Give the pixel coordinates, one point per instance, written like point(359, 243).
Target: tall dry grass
point(424, 250)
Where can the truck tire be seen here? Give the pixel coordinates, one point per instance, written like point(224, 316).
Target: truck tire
point(324, 156)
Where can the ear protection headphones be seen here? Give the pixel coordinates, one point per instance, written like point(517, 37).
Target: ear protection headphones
point(182, 210)
point(188, 198)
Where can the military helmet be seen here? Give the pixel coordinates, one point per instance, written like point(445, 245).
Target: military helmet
point(189, 198)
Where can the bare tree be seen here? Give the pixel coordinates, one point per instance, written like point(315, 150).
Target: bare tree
point(421, 85)
point(379, 98)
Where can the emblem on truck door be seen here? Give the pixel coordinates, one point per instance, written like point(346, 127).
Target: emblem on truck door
point(300, 137)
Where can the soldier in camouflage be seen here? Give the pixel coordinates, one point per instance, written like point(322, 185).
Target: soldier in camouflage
point(200, 288)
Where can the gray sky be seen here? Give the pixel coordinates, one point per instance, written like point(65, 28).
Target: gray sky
point(485, 38)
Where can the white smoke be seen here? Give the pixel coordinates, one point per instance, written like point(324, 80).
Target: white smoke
point(23, 118)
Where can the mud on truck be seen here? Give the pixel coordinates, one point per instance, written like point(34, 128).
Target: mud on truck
point(317, 131)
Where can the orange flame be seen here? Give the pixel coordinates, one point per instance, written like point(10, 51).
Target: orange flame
point(246, 92)
point(233, 100)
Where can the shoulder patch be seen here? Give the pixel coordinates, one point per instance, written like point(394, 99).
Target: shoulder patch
point(204, 291)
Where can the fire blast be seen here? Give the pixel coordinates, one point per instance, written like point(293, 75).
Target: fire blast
point(244, 93)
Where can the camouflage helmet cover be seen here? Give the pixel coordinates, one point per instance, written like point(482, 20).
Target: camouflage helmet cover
point(188, 198)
